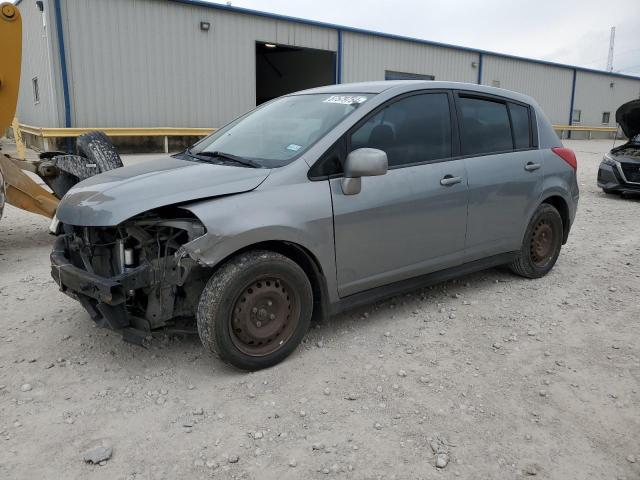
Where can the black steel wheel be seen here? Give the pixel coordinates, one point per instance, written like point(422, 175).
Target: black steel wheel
point(541, 244)
point(255, 309)
point(265, 315)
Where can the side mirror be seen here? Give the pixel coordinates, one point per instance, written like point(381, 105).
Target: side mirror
point(363, 162)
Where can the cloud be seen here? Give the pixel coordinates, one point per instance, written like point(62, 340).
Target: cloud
point(570, 31)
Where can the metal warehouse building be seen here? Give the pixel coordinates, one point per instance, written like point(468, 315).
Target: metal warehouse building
point(187, 63)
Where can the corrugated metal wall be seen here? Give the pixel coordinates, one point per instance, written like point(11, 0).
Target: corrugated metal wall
point(366, 57)
point(549, 85)
point(36, 45)
point(138, 63)
point(147, 63)
point(597, 93)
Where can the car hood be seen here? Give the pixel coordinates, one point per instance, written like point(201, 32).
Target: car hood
point(117, 195)
point(628, 117)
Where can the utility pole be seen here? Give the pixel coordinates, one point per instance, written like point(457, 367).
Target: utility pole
point(610, 57)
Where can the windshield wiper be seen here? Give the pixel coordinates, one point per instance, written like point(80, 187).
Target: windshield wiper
point(227, 156)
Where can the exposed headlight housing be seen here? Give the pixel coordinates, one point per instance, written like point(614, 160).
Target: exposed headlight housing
point(55, 228)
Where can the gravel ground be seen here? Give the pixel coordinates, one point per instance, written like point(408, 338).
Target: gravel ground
point(499, 376)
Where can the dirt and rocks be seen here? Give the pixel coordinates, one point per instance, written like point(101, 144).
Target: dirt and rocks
point(490, 376)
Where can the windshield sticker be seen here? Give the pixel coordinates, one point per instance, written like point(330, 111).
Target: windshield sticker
point(346, 99)
point(294, 147)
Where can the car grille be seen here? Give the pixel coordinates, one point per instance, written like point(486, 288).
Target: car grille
point(631, 172)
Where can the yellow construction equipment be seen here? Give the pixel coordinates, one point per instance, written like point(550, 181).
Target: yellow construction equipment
point(59, 171)
point(24, 193)
point(16, 187)
point(11, 41)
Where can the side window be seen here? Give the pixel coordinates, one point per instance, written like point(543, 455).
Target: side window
point(412, 130)
point(36, 90)
point(485, 126)
point(576, 116)
point(521, 125)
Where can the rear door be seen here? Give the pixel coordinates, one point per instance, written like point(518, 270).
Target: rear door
point(504, 168)
point(409, 221)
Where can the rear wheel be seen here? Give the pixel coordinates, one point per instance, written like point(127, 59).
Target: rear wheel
point(255, 310)
point(541, 244)
point(608, 191)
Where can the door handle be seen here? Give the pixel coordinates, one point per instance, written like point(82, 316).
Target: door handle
point(532, 167)
point(449, 180)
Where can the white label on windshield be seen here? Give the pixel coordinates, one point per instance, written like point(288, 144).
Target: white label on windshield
point(346, 99)
point(295, 147)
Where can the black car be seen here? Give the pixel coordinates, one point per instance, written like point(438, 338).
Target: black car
point(619, 170)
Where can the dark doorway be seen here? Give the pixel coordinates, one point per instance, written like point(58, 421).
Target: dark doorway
point(282, 69)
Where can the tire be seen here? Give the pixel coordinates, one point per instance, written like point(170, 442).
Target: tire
point(255, 309)
point(608, 191)
point(97, 147)
point(541, 244)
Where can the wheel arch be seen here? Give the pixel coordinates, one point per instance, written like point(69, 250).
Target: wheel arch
point(560, 204)
point(306, 260)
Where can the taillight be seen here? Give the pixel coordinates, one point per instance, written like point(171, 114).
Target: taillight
point(567, 155)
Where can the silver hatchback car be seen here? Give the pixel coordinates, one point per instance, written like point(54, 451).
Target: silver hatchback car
point(313, 203)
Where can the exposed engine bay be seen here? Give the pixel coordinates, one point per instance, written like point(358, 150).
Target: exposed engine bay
point(629, 149)
point(619, 171)
point(133, 277)
point(627, 160)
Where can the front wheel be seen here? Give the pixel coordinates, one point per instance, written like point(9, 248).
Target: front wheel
point(255, 309)
point(541, 244)
point(609, 191)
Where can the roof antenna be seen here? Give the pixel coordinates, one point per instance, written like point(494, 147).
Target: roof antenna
point(610, 57)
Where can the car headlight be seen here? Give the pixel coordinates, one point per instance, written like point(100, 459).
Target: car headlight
point(55, 228)
point(608, 160)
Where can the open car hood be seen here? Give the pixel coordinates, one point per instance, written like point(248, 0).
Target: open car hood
point(628, 117)
point(117, 195)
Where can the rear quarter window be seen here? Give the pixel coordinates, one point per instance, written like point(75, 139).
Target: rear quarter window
point(521, 125)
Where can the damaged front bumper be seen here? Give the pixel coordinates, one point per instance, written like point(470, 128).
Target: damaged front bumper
point(108, 310)
point(162, 286)
point(75, 281)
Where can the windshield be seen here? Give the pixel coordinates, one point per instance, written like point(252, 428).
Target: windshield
point(280, 131)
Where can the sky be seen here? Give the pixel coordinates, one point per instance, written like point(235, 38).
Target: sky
point(575, 32)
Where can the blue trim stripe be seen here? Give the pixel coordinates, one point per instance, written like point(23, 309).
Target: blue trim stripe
point(573, 97)
point(257, 13)
point(63, 64)
point(339, 59)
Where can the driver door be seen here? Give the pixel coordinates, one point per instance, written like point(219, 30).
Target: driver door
point(404, 223)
